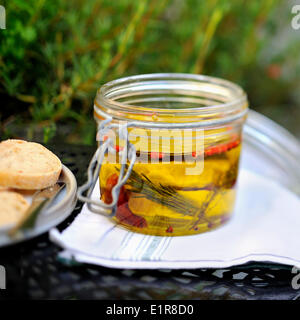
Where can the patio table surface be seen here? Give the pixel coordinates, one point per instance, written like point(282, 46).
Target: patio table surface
point(33, 271)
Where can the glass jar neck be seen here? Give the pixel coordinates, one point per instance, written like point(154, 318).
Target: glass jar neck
point(172, 98)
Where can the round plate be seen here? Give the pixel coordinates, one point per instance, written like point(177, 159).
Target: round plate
point(58, 210)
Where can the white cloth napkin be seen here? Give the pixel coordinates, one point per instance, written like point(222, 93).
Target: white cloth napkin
point(265, 227)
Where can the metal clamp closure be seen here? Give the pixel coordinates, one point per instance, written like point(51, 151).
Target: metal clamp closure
point(127, 153)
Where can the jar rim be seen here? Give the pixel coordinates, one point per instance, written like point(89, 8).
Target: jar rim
point(211, 100)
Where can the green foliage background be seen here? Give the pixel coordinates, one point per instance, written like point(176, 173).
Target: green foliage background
point(54, 54)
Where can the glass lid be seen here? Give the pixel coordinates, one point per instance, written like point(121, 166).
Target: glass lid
point(271, 151)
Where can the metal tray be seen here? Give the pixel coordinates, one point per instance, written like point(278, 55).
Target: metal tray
point(59, 210)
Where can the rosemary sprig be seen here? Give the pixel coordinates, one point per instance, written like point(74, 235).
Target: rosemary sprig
point(164, 195)
point(222, 181)
point(203, 209)
point(168, 196)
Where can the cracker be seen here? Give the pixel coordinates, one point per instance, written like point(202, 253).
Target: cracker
point(13, 207)
point(27, 165)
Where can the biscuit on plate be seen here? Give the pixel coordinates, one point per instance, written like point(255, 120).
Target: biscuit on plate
point(27, 165)
point(12, 207)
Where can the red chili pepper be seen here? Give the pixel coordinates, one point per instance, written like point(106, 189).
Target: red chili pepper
point(221, 148)
point(170, 229)
point(124, 215)
point(215, 150)
point(119, 148)
point(156, 155)
point(110, 183)
point(208, 152)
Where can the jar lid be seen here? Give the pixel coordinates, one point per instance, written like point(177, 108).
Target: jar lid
point(271, 151)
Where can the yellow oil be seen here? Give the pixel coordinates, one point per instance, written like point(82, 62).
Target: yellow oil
point(160, 199)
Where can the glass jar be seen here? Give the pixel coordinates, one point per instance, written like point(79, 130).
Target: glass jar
point(173, 144)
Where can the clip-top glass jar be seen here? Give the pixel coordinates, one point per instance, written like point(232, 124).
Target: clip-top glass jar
point(169, 147)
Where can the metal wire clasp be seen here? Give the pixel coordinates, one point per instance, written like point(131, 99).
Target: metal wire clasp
point(127, 153)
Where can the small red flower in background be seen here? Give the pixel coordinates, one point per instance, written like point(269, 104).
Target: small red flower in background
point(273, 71)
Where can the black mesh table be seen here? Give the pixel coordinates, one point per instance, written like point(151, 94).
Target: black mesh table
point(33, 271)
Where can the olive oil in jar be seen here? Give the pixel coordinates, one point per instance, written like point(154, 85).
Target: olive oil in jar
point(160, 199)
